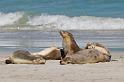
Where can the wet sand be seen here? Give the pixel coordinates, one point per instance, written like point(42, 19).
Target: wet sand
point(52, 71)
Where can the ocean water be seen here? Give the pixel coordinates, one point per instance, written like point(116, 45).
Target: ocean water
point(62, 14)
point(35, 41)
point(34, 24)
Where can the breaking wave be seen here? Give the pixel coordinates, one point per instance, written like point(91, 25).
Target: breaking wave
point(9, 18)
point(61, 22)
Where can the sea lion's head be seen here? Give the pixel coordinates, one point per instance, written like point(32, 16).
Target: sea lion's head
point(66, 60)
point(90, 45)
point(66, 35)
point(98, 46)
point(69, 44)
point(8, 61)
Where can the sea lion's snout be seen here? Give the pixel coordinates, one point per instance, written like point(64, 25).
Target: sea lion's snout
point(65, 34)
point(62, 32)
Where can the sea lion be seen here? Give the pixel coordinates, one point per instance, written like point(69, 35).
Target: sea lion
point(52, 53)
point(69, 44)
point(24, 57)
point(76, 55)
point(100, 47)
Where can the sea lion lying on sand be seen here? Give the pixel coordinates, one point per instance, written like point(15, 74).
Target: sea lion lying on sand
point(100, 47)
point(75, 55)
point(24, 57)
point(52, 53)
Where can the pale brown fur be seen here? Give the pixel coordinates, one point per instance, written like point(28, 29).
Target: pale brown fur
point(52, 53)
point(100, 47)
point(75, 55)
point(69, 44)
point(25, 57)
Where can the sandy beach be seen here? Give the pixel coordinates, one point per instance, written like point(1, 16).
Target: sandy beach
point(52, 71)
point(34, 25)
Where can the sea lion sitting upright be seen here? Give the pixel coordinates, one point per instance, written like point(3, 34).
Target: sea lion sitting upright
point(69, 44)
point(75, 55)
point(24, 57)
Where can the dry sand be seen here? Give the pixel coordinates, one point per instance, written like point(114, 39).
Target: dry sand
point(52, 71)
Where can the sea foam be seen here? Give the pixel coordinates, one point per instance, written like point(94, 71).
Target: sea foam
point(9, 18)
point(59, 22)
point(77, 23)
